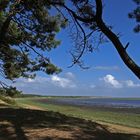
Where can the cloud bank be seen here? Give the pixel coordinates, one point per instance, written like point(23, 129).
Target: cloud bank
point(62, 82)
point(69, 84)
point(111, 81)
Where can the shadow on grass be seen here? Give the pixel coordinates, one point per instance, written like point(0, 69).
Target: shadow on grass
point(26, 124)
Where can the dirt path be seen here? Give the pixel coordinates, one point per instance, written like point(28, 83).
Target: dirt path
point(2, 103)
point(120, 128)
point(33, 107)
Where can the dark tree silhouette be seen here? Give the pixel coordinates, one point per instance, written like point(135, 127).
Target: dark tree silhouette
point(27, 29)
point(87, 17)
point(135, 14)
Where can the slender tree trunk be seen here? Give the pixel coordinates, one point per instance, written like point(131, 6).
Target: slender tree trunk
point(115, 40)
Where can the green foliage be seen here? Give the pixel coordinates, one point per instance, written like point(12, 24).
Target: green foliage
point(9, 91)
point(30, 29)
point(135, 14)
point(27, 30)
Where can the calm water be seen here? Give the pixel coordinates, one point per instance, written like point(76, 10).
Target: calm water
point(106, 102)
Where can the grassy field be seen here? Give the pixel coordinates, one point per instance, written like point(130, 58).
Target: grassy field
point(29, 119)
point(121, 118)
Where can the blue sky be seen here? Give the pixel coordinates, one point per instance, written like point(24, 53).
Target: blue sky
point(107, 76)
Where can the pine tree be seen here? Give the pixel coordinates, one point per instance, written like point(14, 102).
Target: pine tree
point(135, 14)
point(27, 29)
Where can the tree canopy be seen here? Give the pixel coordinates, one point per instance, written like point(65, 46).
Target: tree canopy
point(135, 14)
point(28, 28)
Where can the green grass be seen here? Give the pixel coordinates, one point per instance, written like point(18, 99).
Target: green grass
point(126, 119)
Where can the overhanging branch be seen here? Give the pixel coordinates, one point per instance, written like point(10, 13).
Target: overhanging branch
point(115, 40)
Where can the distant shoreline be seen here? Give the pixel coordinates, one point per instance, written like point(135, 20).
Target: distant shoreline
point(95, 107)
point(80, 96)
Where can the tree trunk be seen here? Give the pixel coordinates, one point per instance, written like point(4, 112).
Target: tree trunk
point(115, 40)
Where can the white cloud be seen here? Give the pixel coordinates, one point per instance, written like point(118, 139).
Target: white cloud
point(130, 83)
point(54, 81)
point(106, 68)
point(30, 80)
point(24, 82)
point(111, 81)
point(70, 75)
point(62, 82)
point(92, 86)
point(37, 79)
